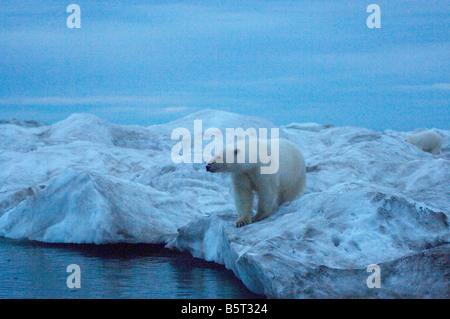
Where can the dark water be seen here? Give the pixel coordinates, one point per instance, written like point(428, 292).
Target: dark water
point(36, 270)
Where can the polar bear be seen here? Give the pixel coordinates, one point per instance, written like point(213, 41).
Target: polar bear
point(283, 184)
point(428, 141)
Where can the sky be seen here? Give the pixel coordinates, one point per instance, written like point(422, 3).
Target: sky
point(150, 62)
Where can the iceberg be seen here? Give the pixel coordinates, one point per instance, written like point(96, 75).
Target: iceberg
point(371, 198)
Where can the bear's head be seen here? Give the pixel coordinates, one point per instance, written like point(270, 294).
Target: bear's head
point(233, 158)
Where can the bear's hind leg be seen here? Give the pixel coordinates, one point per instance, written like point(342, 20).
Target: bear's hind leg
point(267, 205)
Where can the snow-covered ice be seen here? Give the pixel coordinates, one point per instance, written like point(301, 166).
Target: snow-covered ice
point(371, 198)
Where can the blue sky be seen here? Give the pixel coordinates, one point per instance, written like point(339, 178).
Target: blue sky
point(146, 62)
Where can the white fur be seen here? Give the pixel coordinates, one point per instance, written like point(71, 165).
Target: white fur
point(428, 141)
point(274, 189)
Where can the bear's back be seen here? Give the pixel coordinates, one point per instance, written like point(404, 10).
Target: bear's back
point(428, 141)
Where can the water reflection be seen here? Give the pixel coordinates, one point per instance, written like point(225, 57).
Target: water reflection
point(37, 270)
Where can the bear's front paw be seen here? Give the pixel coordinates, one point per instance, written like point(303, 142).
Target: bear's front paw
point(257, 218)
point(242, 222)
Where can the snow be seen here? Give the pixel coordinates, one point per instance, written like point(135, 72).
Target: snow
point(371, 198)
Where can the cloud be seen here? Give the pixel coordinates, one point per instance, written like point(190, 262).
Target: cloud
point(143, 111)
point(282, 60)
point(425, 87)
point(90, 100)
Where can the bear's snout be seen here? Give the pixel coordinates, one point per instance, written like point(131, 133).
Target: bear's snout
point(211, 167)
